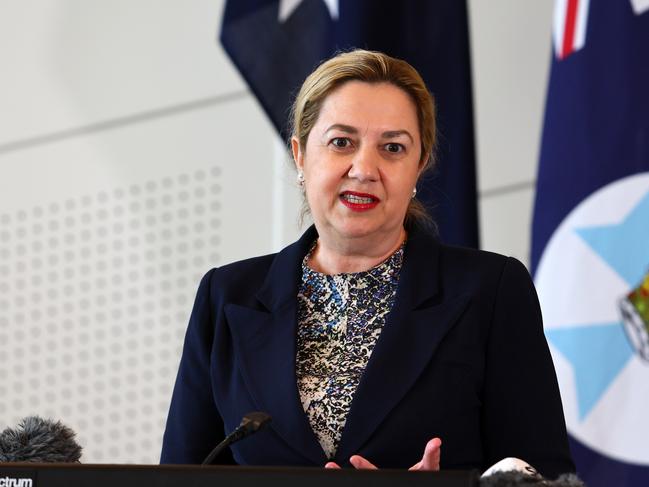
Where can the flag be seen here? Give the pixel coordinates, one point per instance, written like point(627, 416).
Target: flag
point(275, 44)
point(590, 242)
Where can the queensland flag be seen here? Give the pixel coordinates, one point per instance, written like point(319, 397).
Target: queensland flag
point(590, 246)
point(276, 43)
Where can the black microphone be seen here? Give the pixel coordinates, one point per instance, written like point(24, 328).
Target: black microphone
point(251, 423)
point(39, 440)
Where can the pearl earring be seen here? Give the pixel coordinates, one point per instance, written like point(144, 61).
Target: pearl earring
point(414, 192)
point(300, 178)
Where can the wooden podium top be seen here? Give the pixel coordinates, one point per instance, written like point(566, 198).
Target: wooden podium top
point(100, 475)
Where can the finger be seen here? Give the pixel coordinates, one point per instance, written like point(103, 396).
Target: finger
point(432, 454)
point(431, 458)
point(359, 462)
point(331, 465)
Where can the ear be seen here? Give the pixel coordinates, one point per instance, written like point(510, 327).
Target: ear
point(422, 165)
point(298, 157)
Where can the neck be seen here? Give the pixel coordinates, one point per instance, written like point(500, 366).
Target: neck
point(356, 255)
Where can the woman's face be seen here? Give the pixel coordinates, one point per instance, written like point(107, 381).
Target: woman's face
point(362, 160)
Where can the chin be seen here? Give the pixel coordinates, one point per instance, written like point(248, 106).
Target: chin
point(355, 230)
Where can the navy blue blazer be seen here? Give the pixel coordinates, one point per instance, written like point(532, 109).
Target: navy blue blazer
point(462, 356)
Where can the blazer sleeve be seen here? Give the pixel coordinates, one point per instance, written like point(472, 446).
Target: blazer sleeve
point(523, 415)
point(194, 425)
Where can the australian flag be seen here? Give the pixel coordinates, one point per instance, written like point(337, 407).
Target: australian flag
point(276, 43)
point(590, 250)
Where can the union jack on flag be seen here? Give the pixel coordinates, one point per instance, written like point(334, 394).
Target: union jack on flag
point(570, 21)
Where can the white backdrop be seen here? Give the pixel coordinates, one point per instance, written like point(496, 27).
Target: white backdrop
point(133, 159)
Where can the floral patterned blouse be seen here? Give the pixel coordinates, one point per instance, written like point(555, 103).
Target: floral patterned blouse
point(340, 317)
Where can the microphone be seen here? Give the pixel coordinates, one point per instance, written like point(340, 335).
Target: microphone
point(39, 440)
point(514, 472)
point(251, 423)
point(519, 479)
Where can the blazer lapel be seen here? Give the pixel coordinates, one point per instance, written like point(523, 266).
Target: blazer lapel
point(265, 341)
point(414, 328)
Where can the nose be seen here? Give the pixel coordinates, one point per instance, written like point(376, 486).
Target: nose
point(364, 165)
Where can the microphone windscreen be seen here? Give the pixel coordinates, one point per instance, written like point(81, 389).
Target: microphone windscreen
point(39, 440)
point(519, 479)
point(511, 478)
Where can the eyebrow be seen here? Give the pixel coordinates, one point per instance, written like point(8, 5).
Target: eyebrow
point(396, 133)
point(343, 128)
point(353, 130)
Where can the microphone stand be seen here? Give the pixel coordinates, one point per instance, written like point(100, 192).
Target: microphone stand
point(251, 423)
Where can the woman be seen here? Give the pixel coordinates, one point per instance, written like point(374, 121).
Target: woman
point(367, 340)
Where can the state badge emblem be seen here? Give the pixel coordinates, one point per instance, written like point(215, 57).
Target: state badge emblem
point(635, 314)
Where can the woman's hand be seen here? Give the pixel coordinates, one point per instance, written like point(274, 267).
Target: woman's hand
point(432, 453)
point(430, 460)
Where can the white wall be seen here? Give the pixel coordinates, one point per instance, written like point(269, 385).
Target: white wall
point(510, 42)
point(133, 158)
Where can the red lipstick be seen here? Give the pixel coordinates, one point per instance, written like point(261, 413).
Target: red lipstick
point(358, 201)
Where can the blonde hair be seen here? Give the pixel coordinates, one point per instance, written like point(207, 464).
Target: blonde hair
point(369, 67)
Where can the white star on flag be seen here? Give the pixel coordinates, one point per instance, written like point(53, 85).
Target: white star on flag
point(287, 7)
point(640, 6)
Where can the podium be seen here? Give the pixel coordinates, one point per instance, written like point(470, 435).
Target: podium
point(73, 475)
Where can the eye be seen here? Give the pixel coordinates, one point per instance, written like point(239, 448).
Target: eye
point(394, 148)
point(341, 142)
